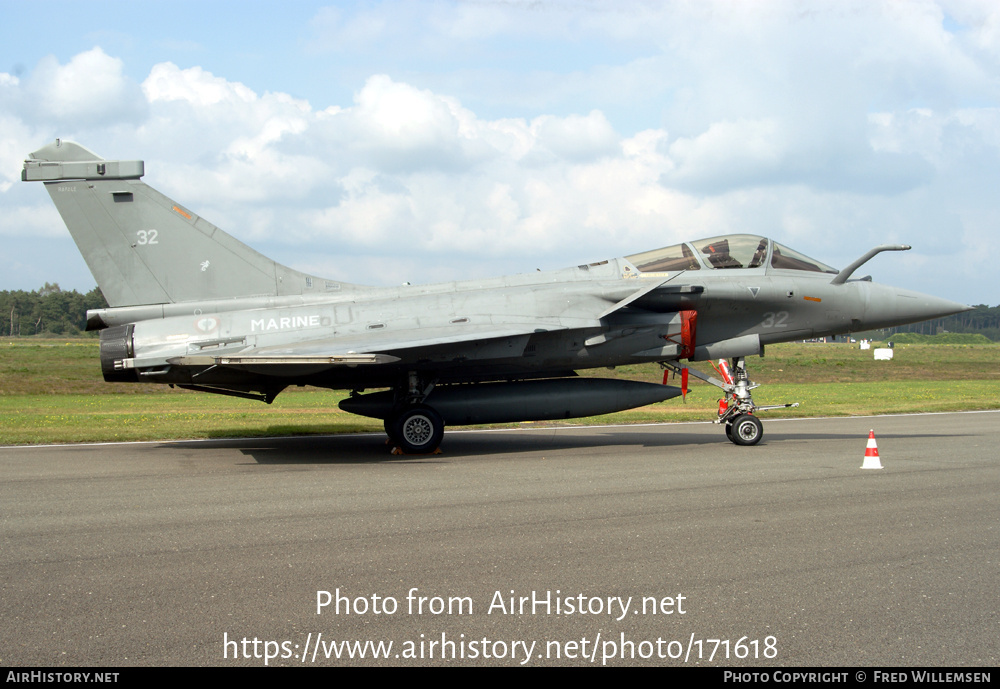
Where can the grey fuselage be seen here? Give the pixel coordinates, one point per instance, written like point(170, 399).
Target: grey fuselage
point(456, 332)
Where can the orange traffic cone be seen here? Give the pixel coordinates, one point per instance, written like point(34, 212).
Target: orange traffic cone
point(871, 453)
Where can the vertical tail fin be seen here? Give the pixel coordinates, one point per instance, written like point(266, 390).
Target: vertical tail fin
point(142, 247)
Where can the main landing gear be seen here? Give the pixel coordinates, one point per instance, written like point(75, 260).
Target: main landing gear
point(737, 409)
point(417, 429)
point(414, 427)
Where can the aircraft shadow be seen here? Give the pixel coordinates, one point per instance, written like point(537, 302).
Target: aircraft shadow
point(371, 448)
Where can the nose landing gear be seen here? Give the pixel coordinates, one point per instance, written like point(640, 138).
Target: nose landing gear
point(737, 409)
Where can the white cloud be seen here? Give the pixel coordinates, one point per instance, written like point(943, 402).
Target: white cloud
point(398, 127)
point(195, 86)
point(91, 88)
point(730, 154)
point(31, 221)
point(576, 138)
point(15, 141)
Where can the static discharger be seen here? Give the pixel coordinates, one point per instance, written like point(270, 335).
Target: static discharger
point(871, 453)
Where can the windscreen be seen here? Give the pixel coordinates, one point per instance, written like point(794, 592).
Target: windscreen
point(784, 258)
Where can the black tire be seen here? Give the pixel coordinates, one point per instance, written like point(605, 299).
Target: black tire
point(729, 431)
point(417, 430)
point(747, 430)
point(389, 425)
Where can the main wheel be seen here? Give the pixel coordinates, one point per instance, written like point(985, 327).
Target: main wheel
point(746, 430)
point(418, 430)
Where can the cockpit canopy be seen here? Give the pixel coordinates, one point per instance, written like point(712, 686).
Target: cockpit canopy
point(730, 251)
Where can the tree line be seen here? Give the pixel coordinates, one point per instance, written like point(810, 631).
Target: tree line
point(983, 319)
point(47, 311)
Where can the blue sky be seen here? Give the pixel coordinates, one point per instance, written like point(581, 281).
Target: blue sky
point(388, 141)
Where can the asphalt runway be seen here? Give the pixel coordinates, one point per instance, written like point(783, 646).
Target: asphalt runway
point(642, 545)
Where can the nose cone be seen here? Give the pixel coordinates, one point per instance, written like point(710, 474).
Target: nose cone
point(888, 306)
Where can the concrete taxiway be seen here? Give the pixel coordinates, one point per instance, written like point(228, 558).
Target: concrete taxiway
point(782, 554)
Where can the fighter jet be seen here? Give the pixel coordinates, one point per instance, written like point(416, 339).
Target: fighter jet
point(192, 307)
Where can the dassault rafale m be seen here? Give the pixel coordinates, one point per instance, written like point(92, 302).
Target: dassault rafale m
point(192, 307)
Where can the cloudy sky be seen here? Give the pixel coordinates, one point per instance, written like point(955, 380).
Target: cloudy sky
point(392, 141)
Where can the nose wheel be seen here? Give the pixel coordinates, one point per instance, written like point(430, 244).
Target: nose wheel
point(745, 429)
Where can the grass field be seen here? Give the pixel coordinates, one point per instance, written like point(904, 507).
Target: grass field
point(51, 391)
